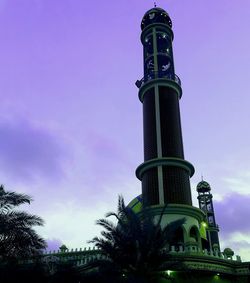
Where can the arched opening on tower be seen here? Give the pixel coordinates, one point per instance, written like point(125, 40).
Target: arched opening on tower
point(195, 237)
point(194, 233)
point(205, 245)
point(178, 239)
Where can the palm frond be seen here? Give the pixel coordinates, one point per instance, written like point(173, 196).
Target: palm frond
point(106, 224)
point(135, 244)
point(17, 236)
point(10, 199)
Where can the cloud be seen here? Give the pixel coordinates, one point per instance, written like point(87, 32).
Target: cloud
point(232, 213)
point(240, 182)
point(28, 151)
point(53, 244)
point(2, 5)
point(239, 243)
point(101, 161)
point(105, 153)
point(73, 223)
point(73, 220)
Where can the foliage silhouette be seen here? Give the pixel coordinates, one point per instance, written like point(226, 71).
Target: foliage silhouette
point(135, 249)
point(18, 239)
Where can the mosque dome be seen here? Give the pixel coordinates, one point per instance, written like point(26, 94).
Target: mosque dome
point(155, 15)
point(228, 252)
point(136, 204)
point(63, 248)
point(203, 187)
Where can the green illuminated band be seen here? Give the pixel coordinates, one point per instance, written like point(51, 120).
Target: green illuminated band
point(160, 82)
point(181, 209)
point(164, 161)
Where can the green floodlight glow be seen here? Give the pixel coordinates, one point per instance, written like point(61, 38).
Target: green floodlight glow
point(217, 276)
point(204, 224)
point(169, 272)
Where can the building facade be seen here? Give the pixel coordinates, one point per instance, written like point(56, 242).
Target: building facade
point(165, 174)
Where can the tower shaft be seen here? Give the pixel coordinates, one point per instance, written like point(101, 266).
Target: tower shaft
point(165, 173)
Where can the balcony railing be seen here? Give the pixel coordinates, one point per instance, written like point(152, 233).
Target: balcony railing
point(157, 75)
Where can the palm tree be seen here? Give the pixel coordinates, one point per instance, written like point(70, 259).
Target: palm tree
point(18, 239)
point(136, 246)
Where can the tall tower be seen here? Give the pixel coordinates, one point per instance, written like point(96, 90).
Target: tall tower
point(164, 173)
point(205, 199)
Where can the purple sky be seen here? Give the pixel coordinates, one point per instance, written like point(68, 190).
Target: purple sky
point(71, 121)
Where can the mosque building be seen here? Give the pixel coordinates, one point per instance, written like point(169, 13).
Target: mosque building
point(165, 173)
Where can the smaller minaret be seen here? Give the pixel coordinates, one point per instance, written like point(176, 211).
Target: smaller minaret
point(205, 199)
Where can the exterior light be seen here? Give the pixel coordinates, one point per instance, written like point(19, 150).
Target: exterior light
point(204, 224)
point(169, 272)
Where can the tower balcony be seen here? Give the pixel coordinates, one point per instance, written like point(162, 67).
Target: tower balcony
point(158, 75)
point(160, 79)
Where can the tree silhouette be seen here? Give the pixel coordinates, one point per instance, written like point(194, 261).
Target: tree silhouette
point(136, 247)
point(18, 239)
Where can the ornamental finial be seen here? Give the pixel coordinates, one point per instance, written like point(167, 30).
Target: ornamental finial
point(155, 4)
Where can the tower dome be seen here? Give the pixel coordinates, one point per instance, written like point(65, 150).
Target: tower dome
point(155, 15)
point(203, 187)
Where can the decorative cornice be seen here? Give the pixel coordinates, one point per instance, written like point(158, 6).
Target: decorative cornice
point(180, 209)
point(160, 82)
point(164, 161)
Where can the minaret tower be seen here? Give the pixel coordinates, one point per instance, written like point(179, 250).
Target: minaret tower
point(164, 173)
point(205, 199)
